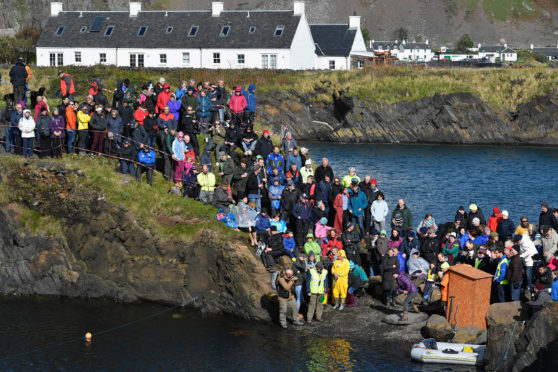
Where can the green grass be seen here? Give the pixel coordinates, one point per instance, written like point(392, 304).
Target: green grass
point(503, 10)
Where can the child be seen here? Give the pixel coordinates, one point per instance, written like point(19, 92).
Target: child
point(289, 244)
point(333, 242)
point(321, 230)
point(277, 221)
point(188, 165)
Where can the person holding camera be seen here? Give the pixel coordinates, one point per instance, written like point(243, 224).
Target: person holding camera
point(287, 302)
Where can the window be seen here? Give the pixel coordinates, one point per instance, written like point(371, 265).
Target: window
point(142, 30)
point(77, 57)
point(59, 30)
point(193, 31)
point(360, 64)
point(269, 61)
point(103, 57)
point(240, 58)
point(140, 60)
point(83, 29)
point(108, 31)
point(136, 60)
point(169, 29)
point(163, 58)
point(186, 58)
point(332, 65)
point(132, 60)
point(216, 58)
point(252, 29)
point(279, 31)
point(60, 58)
point(52, 59)
point(225, 31)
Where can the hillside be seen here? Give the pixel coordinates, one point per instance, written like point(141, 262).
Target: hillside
point(517, 22)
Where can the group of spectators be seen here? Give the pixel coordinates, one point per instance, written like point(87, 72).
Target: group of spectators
point(287, 205)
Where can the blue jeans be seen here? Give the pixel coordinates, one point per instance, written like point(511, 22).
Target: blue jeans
point(298, 295)
point(375, 269)
point(352, 290)
point(249, 147)
point(71, 137)
point(528, 273)
point(359, 220)
point(27, 146)
point(501, 292)
point(427, 290)
point(11, 134)
point(256, 199)
point(151, 141)
point(515, 292)
point(127, 167)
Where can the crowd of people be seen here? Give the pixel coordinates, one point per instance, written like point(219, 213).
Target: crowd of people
point(287, 205)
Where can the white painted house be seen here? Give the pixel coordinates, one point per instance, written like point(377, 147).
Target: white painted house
point(385, 46)
point(497, 53)
point(415, 52)
point(217, 38)
point(550, 52)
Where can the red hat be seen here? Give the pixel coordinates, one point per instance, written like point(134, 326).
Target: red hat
point(495, 210)
point(238, 89)
point(265, 131)
point(373, 182)
point(539, 287)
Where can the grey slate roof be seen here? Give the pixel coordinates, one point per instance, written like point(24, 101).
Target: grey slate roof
point(507, 50)
point(415, 46)
point(384, 45)
point(333, 40)
point(491, 48)
point(547, 51)
point(125, 33)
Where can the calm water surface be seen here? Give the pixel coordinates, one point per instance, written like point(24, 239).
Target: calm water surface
point(440, 178)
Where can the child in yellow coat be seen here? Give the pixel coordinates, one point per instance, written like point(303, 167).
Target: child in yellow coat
point(340, 271)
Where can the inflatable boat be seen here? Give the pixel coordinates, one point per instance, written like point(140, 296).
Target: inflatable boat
point(430, 351)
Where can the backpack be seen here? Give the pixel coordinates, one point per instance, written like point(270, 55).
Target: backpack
point(8, 114)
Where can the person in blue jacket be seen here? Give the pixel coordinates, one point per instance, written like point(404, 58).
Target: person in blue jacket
point(263, 222)
point(357, 205)
point(554, 289)
point(146, 158)
point(302, 213)
point(204, 106)
point(250, 110)
point(275, 159)
point(500, 276)
point(274, 194)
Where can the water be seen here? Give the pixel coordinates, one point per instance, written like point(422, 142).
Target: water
point(33, 328)
point(440, 178)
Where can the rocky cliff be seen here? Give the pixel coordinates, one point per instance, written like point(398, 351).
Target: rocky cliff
point(100, 250)
point(459, 118)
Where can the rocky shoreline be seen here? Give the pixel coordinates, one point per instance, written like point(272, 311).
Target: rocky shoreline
point(460, 118)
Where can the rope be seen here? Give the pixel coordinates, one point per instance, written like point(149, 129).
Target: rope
point(507, 348)
point(100, 332)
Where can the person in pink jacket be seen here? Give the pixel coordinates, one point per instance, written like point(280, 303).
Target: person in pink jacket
point(321, 229)
point(237, 104)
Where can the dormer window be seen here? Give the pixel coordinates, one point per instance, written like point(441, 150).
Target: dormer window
point(142, 30)
point(193, 31)
point(225, 31)
point(83, 29)
point(169, 29)
point(252, 29)
point(109, 30)
point(59, 30)
point(279, 31)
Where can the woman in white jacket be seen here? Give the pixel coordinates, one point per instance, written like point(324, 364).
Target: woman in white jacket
point(527, 250)
point(379, 211)
point(27, 128)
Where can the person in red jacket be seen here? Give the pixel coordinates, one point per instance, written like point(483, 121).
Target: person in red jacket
point(163, 98)
point(141, 113)
point(237, 105)
point(340, 205)
point(94, 88)
point(494, 220)
point(67, 88)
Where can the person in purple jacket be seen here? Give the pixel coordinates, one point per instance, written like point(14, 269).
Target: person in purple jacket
point(174, 107)
point(57, 130)
point(408, 288)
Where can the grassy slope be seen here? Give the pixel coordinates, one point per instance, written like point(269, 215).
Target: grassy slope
point(502, 89)
point(153, 207)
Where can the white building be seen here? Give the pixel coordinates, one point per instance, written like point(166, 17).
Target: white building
point(217, 38)
point(416, 52)
point(497, 53)
point(384, 46)
point(340, 46)
point(550, 52)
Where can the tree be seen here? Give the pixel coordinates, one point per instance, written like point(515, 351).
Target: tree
point(401, 34)
point(464, 43)
point(366, 34)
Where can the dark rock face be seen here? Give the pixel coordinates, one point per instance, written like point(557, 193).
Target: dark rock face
point(103, 252)
point(459, 118)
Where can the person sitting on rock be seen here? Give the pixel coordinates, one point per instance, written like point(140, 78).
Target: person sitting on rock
point(274, 250)
point(409, 289)
point(289, 244)
point(542, 297)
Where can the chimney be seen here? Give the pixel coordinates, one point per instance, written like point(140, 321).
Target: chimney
point(371, 42)
point(55, 9)
point(479, 46)
point(299, 8)
point(354, 22)
point(532, 46)
point(135, 8)
point(426, 41)
point(216, 8)
point(505, 45)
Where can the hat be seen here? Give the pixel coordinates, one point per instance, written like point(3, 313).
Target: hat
point(487, 231)
point(259, 157)
point(273, 228)
point(515, 247)
point(411, 234)
point(423, 230)
point(453, 234)
point(473, 207)
point(458, 218)
point(304, 196)
point(517, 237)
point(414, 251)
point(342, 253)
point(323, 221)
point(266, 132)
point(221, 154)
point(238, 89)
point(373, 181)
point(181, 134)
point(431, 231)
point(375, 232)
point(493, 234)
point(349, 225)
point(302, 255)
point(351, 265)
point(162, 80)
point(545, 204)
point(352, 169)
point(319, 265)
point(383, 232)
point(308, 162)
point(476, 221)
point(264, 210)
point(309, 235)
point(125, 140)
point(445, 265)
point(505, 213)
point(461, 208)
point(539, 287)
point(482, 250)
point(60, 72)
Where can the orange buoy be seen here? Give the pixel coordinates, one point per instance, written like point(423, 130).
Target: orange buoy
point(88, 336)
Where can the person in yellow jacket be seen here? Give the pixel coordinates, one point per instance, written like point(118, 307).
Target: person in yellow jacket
point(340, 271)
point(83, 118)
point(349, 177)
point(206, 179)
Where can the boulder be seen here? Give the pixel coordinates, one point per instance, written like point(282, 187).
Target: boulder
point(438, 328)
point(395, 319)
point(401, 297)
point(436, 295)
point(500, 343)
point(504, 313)
point(467, 335)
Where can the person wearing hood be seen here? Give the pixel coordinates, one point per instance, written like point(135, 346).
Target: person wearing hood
point(43, 127)
point(410, 243)
point(275, 192)
point(264, 146)
point(340, 272)
point(57, 131)
point(321, 229)
point(250, 97)
point(317, 286)
point(174, 108)
point(98, 125)
point(416, 265)
point(275, 160)
point(27, 129)
point(162, 98)
point(114, 127)
point(83, 119)
point(494, 220)
point(312, 246)
point(18, 77)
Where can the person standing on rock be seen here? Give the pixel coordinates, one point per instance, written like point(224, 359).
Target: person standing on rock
point(287, 303)
point(323, 170)
point(340, 271)
point(390, 267)
point(316, 283)
point(500, 280)
point(410, 290)
point(401, 217)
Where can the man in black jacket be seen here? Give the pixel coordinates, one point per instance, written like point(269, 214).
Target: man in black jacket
point(546, 217)
point(351, 238)
point(189, 125)
point(127, 154)
point(264, 146)
point(323, 170)
point(127, 115)
point(430, 247)
point(254, 185)
point(274, 249)
point(289, 197)
point(232, 137)
point(18, 75)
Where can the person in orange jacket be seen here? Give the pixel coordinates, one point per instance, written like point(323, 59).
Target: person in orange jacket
point(67, 88)
point(71, 120)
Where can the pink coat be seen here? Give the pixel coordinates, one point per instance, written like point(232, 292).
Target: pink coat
point(320, 232)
